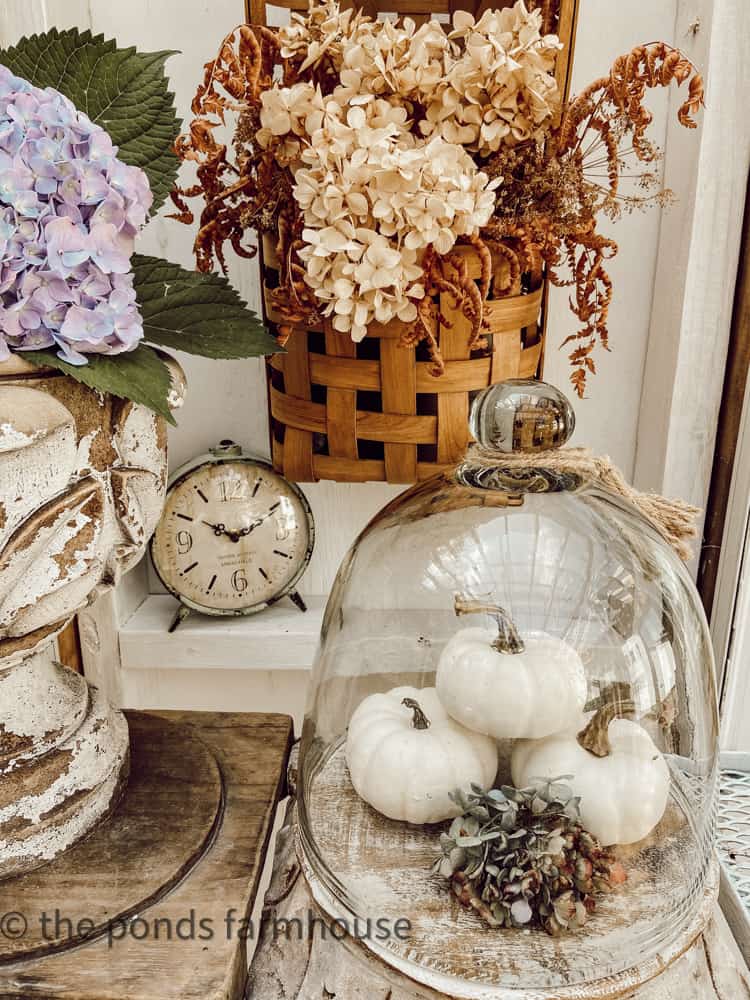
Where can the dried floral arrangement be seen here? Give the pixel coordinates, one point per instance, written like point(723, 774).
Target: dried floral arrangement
point(372, 148)
point(520, 858)
point(74, 196)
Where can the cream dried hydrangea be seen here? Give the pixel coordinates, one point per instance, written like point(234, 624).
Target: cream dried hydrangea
point(502, 90)
point(287, 115)
point(486, 84)
point(399, 59)
point(373, 197)
point(320, 32)
point(382, 166)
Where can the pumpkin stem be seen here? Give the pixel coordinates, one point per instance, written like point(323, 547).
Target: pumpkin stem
point(508, 637)
point(420, 720)
point(595, 736)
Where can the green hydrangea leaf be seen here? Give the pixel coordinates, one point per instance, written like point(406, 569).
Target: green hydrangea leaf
point(198, 313)
point(124, 91)
point(139, 375)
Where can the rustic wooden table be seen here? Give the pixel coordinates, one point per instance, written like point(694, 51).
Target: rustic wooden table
point(155, 903)
point(318, 965)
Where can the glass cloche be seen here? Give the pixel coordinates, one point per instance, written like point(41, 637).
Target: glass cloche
point(515, 645)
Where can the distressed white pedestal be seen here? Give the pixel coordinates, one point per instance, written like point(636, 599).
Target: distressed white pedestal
point(63, 760)
point(319, 967)
point(82, 480)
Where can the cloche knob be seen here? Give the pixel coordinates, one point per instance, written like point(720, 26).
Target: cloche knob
point(521, 415)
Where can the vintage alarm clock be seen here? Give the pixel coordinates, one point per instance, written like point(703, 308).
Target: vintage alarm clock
point(234, 537)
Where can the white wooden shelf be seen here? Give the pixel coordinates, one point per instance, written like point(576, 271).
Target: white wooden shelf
point(279, 638)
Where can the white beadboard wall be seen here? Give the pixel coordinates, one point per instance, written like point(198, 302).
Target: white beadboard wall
point(228, 400)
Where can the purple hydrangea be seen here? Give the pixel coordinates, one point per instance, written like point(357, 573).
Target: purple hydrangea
point(69, 213)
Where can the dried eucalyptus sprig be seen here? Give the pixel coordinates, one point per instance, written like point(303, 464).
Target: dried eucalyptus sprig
point(520, 858)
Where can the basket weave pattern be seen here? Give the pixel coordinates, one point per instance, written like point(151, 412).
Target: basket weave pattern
point(375, 411)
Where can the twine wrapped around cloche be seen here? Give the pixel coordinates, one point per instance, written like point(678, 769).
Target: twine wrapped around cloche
point(516, 422)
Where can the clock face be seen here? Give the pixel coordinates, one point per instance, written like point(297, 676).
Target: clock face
point(233, 535)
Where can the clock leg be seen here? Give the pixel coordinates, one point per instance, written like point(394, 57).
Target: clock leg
point(182, 613)
point(297, 598)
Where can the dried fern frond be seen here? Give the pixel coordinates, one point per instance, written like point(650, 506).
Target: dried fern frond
point(553, 193)
point(234, 190)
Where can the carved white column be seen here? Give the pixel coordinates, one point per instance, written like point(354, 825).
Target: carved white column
point(82, 479)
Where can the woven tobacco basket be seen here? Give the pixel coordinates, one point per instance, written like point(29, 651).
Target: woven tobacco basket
point(373, 410)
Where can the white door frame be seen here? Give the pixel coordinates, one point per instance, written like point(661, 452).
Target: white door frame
point(698, 255)
point(691, 319)
point(730, 621)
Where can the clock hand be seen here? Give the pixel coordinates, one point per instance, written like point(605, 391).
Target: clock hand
point(219, 529)
point(243, 532)
point(259, 520)
point(252, 527)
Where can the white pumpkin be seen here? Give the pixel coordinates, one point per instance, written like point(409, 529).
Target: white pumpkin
point(495, 682)
point(616, 769)
point(405, 755)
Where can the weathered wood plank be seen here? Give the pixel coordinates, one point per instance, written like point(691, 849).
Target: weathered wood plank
point(341, 402)
point(386, 864)
point(315, 966)
point(155, 836)
point(203, 961)
point(398, 377)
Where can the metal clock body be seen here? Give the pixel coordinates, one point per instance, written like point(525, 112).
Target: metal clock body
point(234, 536)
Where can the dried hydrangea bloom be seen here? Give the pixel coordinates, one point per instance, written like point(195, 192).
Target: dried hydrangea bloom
point(399, 59)
point(286, 116)
point(373, 197)
point(311, 36)
point(502, 90)
point(381, 164)
point(69, 212)
point(486, 84)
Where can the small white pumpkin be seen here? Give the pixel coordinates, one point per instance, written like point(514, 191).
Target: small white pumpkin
point(497, 683)
point(405, 755)
point(615, 767)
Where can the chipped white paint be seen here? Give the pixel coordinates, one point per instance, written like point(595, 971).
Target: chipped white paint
point(174, 400)
point(89, 632)
point(39, 460)
point(61, 698)
point(11, 438)
point(81, 490)
point(178, 388)
point(90, 765)
point(137, 442)
point(33, 577)
point(83, 456)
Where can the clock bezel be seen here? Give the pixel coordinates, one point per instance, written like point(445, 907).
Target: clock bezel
point(222, 456)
